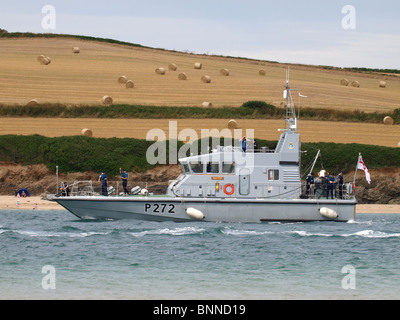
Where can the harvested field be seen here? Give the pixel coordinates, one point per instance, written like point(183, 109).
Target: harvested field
point(85, 77)
point(311, 131)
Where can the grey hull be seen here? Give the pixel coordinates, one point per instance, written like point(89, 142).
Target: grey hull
point(218, 210)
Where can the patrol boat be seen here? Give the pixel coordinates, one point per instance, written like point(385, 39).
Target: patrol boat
point(228, 185)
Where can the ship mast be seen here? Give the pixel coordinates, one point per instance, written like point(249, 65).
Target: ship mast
point(290, 118)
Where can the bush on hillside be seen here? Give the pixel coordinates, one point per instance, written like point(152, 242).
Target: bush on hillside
point(261, 107)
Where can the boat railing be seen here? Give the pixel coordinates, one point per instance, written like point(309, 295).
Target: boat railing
point(321, 190)
point(82, 188)
point(249, 149)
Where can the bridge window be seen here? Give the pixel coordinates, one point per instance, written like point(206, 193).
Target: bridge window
point(197, 167)
point(212, 167)
point(228, 167)
point(186, 168)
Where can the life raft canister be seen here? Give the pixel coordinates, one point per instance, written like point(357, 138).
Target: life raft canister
point(229, 186)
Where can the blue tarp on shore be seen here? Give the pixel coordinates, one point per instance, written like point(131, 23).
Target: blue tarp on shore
point(20, 191)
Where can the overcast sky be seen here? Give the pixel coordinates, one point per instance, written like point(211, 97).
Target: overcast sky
point(312, 32)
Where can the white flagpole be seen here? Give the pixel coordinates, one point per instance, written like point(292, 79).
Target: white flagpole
point(355, 173)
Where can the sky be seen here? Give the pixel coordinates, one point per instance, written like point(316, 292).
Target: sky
point(349, 33)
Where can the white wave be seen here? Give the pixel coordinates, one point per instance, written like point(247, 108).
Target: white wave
point(236, 232)
point(174, 232)
point(369, 222)
point(59, 234)
point(308, 234)
point(363, 233)
point(375, 234)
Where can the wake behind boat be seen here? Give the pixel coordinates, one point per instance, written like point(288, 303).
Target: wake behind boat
point(229, 185)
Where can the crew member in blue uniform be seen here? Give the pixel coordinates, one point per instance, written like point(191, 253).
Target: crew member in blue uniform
point(244, 144)
point(124, 177)
point(331, 182)
point(103, 180)
point(65, 189)
point(309, 183)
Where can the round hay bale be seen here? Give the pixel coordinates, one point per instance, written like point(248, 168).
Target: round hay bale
point(33, 103)
point(107, 100)
point(87, 132)
point(160, 71)
point(172, 67)
point(398, 144)
point(44, 60)
point(198, 65)
point(262, 72)
point(344, 82)
point(388, 120)
point(207, 104)
point(206, 79)
point(224, 72)
point(129, 84)
point(355, 84)
point(232, 124)
point(40, 58)
point(76, 50)
point(122, 79)
point(182, 76)
point(382, 84)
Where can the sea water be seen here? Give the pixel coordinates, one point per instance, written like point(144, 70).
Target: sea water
point(54, 255)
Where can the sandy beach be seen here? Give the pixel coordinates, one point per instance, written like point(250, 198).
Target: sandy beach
point(37, 203)
point(29, 203)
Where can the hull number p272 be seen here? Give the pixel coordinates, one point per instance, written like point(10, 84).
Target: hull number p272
point(159, 208)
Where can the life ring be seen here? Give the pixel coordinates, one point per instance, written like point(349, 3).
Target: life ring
point(229, 186)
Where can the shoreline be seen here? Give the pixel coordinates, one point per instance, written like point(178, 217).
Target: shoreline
point(37, 203)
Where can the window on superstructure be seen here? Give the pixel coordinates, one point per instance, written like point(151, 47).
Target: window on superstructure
point(197, 167)
point(186, 168)
point(273, 174)
point(228, 167)
point(212, 167)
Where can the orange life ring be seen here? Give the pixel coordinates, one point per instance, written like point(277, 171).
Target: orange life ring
point(229, 186)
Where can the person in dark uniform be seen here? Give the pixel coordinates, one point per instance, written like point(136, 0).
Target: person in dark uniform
point(255, 145)
point(331, 181)
point(103, 180)
point(309, 183)
point(65, 189)
point(124, 177)
point(340, 181)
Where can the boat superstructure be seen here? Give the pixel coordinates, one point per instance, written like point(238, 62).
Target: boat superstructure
point(230, 185)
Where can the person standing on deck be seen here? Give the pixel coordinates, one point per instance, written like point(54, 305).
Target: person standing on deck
point(244, 144)
point(310, 183)
point(124, 177)
point(103, 180)
point(331, 181)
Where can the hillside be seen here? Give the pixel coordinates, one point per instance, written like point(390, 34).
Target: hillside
point(86, 77)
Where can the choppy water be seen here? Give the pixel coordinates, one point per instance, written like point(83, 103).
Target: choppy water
point(40, 250)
